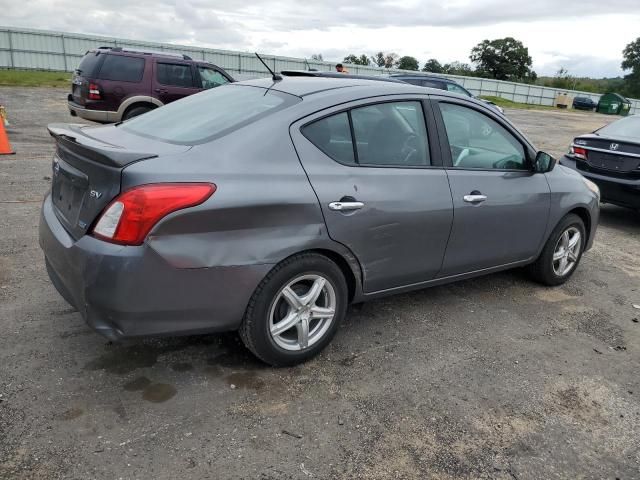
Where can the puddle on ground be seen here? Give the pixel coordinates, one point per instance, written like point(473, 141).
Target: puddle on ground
point(139, 383)
point(236, 358)
point(72, 413)
point(158, 392)
point(181, 367)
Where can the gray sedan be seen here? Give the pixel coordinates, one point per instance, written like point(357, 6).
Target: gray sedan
point(268, 206)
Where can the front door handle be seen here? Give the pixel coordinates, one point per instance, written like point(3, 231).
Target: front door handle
point(474, 198)
point(345, 206)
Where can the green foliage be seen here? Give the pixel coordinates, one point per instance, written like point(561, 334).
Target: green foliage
point(407, 63)
point(385, 60)
point(432, 65)
point(317, 57)
point(355, 60)
point(503, 59)
point(35, 78)
point(459, 68)
point(594, 85)
point(631, 55)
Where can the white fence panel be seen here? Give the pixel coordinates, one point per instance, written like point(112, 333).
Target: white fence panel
point(46, 50)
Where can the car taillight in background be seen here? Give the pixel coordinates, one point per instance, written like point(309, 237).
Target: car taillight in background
point(94, 92)
point(129, 218)
point(579, 152)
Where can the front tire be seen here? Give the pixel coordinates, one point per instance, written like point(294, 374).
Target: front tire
point(562, 252)
point(295, 311)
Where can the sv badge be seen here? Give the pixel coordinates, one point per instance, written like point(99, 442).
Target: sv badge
point(95, 194)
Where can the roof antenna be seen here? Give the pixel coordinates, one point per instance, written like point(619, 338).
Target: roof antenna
point(274, 75)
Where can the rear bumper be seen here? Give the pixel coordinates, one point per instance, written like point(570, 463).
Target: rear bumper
point(126, 292)
point(102, 116)
point(619, 191)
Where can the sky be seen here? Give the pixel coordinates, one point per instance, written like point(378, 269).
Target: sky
point(584, 36)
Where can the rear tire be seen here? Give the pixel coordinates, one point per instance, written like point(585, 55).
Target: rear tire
point(562, 252)
point(289, 318)
point(135, 111)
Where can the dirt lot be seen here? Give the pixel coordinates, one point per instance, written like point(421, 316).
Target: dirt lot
point(491, 378)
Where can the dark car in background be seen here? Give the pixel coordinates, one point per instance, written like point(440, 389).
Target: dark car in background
point(268, 206)
point(441, 83)
point(610, 157)
point(114, 84)
point(584, 103)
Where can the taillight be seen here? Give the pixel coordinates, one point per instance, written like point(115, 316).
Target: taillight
point(579, 152)
point(94, 92)
point(128, 219)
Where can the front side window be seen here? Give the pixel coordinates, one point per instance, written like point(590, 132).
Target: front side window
point(211, 78)
point(477, 141)
point(122, 69)
point(176, 74)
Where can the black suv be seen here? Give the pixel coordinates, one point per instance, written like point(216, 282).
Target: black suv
point(114, 84)
point(435, 81)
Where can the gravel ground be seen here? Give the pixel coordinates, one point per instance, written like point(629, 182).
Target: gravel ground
point(495, 377)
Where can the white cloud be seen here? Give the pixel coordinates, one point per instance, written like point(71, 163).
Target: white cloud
point(584, 36)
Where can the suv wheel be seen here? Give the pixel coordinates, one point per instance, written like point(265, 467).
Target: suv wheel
point(135, 111)
point(295, 311)
point(562, 252)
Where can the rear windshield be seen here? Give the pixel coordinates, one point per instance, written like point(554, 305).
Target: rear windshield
point(88, 64)
point(626, 127)
point(210, 114)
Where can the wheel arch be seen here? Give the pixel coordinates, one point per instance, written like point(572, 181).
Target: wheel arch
point(585, 216)
point(137, 101)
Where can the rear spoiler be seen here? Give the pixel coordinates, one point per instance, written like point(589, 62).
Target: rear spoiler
point(71, 137)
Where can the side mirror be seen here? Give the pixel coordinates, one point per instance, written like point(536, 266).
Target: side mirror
point(544, 162)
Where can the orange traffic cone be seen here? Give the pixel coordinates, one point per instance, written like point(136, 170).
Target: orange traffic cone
point(5, 146)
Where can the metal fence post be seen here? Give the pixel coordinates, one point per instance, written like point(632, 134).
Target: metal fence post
point(64, 54)
point(11, 61)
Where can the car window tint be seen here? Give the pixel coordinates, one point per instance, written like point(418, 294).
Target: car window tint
point(211, 78)
point(433, 84)
point(391, 134)
point(88, 64)
point(412, 81)
point(210, 114)
point(175, 74)
point(332, 135)
point(477, 141)
point(122, 69)
point(452, 87)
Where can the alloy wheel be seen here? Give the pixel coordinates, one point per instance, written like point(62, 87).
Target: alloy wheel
point(567, 251)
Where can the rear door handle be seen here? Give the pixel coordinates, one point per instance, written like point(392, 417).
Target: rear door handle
point(160, 90)
point(345, 206)
point(474, 198)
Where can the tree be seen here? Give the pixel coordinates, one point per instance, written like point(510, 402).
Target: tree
point(390, 60)
point(407, 63)
point(503, 59)
point(458, 68)
point(361, 60)
point(564, 80)
point(631, 55)
point(317, 57)
point(378, 59)
point(432, 66)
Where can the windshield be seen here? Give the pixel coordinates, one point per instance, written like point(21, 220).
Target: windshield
point(626, 127)
point(210, 114)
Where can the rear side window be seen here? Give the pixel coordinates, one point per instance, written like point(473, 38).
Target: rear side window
point(391, 134)
point(88, 64)
point(178, 75)
point(210, 114)
point(332, 135)
point(122, 69)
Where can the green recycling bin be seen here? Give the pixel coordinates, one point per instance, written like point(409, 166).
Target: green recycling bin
point(614, 104)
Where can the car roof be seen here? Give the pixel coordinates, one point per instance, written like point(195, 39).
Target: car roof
point(428, 76)
point(312, 86)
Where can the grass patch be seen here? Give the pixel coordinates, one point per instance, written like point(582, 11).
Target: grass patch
point(504, 103)
point(34, 78)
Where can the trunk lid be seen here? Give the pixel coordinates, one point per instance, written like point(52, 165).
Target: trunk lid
point(87, 170)
point(611, 156)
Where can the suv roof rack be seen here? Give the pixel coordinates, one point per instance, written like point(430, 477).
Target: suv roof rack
point(146, 52)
